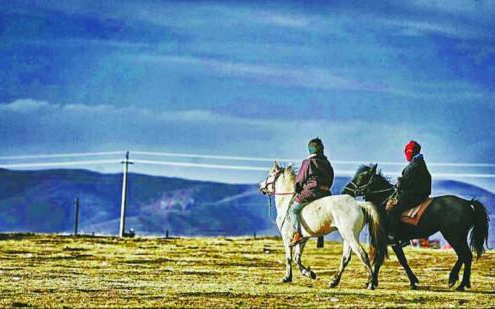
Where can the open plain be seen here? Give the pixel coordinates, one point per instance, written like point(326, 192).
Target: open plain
point(65, 271)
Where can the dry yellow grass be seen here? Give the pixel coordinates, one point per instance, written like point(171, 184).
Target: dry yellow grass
point(61, 271)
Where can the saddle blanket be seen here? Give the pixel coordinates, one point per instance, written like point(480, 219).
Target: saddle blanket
point(413, 215)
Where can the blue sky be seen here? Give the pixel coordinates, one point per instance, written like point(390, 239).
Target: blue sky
point(249, 78)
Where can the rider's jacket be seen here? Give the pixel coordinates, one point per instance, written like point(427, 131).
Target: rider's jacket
point(314, 179)
point(415, 184)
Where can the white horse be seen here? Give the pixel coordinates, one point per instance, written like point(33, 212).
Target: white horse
point(323, 216)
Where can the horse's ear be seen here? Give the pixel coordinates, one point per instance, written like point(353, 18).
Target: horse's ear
point(289, 167)
point(373, 169)
point(275, 165)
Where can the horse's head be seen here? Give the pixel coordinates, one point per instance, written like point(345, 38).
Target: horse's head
point(267, 186)
point(362, 181)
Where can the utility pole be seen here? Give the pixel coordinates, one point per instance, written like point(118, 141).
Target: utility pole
point(124, 194)
point(76, 218)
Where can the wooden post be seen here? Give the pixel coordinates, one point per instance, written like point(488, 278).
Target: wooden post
point(124, 194)
point(76, 217)
point(320, 242)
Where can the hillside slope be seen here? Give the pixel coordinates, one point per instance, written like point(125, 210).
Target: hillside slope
point(43, 201)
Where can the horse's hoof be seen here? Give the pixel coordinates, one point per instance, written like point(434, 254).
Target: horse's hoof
point(287, 280)
point(333, 284)
point(371, 286)
point(312, 275)
point(413, 287)
point(375, 282)
point(460, 288)
point(453, 280)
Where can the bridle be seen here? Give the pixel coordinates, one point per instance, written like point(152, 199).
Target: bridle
point(273, 192)
point(272, 183)
point(364, 189)
point(357, 190)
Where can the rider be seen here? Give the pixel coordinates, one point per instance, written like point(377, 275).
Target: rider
point(313, 181)
point(413, 187)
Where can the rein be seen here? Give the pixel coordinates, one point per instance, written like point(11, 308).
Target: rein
point(356, 190)
point(381, 191)
point(271, 194)
point(274, 221)
point(360, 190)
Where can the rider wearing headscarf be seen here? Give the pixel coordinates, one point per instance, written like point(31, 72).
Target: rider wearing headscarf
point(413, 187)
point(313, 181)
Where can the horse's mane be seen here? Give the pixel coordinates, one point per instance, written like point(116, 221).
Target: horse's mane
point(291, 173)
point(363, 167)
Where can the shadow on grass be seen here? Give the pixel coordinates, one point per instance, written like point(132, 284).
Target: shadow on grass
point(148, 261)
point(452, 290)
point(214, 295)
point(65, 257)
point(15, 236)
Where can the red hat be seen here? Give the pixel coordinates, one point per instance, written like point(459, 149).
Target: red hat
point(412, 148)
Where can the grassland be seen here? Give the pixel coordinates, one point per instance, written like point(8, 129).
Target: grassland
point(62, 271)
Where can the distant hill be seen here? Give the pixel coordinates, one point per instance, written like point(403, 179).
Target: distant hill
point(43, 201)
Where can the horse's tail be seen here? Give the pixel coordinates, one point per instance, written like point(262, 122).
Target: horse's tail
point(479, 234)
point(378, 235)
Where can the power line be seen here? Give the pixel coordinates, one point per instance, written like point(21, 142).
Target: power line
point(218, 157)
point(209, 166)
point(62, 155)
point(462, 175)
point(265, 159)
point(200, 165)
point(264, 169)
point(55, 164)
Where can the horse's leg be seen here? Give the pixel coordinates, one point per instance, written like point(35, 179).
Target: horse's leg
point(352, 240)
point(464, 255)
point(376, 271)
point(466, 276)
point(305, 271)
point(288, 263)
point(346, 258)
point(454, 273)
point(413, 280)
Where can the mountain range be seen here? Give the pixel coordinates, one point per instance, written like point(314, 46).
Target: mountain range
point(43, 201)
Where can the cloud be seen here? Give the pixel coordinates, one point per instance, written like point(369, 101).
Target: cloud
point(31, 127)
point(96, 127)
point(282, 20)
point(210, 77)
point(33, 107)
point(312, 78)
point(411, 27)
point(25, 106)
point(317, 47)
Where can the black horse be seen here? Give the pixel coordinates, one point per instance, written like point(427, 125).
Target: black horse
point(453, 216)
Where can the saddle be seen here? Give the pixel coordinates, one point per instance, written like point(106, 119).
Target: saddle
point(413, 215)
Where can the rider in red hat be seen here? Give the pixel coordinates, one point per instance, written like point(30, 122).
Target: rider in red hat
point(313, 181)
point(413, 187)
